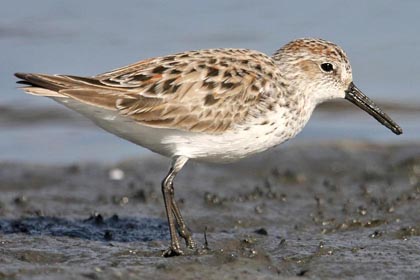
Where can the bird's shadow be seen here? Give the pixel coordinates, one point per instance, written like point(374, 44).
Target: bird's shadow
point(95, 228)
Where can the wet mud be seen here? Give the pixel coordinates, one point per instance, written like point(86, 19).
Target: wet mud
point(330, 210)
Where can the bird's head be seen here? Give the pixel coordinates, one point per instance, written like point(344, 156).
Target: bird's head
point(321, 70)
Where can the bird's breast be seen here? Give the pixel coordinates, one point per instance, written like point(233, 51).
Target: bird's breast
point(257, 135)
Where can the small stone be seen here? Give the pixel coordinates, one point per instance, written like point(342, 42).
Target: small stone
point(20, 200)
point(375, 234)
point(362, 211)
point(258, 209)
point(282, 242)
point(116, 174)
point(261, 231)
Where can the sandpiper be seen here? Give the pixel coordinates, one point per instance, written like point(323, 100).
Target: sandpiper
point(216, 105)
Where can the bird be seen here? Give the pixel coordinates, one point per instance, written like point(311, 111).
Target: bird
point(211, 105)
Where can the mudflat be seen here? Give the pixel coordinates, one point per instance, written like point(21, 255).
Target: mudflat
point(342, 209)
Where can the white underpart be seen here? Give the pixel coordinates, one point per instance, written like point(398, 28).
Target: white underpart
point(227, 147)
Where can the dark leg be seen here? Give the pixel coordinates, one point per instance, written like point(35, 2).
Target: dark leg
point(183, 230)
point(172, 211)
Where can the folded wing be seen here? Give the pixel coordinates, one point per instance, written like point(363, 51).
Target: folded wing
point(200, 91)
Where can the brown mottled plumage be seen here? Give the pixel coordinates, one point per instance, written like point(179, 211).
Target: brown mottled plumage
point(215, 105)
point(199, 91)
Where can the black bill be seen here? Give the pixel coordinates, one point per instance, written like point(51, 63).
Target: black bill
point(355, 96)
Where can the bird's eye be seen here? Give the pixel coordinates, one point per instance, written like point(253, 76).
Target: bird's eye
point(327, 67)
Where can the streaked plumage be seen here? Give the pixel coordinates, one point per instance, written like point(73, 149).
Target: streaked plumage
point(200, 91)
point(213, 105)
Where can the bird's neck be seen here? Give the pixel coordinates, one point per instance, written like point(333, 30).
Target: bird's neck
point(299, 106)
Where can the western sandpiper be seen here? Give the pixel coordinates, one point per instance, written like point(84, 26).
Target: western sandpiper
point(216, 105)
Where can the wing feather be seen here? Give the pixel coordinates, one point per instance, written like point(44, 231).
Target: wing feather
point(202, 91)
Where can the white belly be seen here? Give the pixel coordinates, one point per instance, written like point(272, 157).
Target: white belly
point(226, 147)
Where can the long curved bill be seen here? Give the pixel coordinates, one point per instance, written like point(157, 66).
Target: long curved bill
point(355, 96)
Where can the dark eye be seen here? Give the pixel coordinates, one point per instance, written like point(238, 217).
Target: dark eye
point(327, 67)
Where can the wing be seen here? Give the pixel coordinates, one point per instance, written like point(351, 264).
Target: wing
point(201, 91)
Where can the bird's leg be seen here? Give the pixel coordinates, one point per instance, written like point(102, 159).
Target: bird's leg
point(175, 248)
point(170, 205)
point(183, 230)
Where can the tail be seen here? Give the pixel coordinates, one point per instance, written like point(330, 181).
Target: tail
point(85, 89)
point(51, 85)
point(41, 84)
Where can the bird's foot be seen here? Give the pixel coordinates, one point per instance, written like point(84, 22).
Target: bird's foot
point(191, 244)
point(172, 252)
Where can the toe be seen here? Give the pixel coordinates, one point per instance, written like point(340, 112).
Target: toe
point(191, 244)
point(172, 252)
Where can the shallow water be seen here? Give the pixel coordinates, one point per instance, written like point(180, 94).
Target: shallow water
point(82, 38)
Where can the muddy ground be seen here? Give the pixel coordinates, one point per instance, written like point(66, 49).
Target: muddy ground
point(337, 210)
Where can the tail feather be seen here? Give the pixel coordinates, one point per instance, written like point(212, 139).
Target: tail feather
point(39, 91)
point(40, 84)
point(51, 85)
point(84, 89)
point(50, 82)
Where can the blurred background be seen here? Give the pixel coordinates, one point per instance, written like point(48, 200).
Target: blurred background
point(89, 37)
